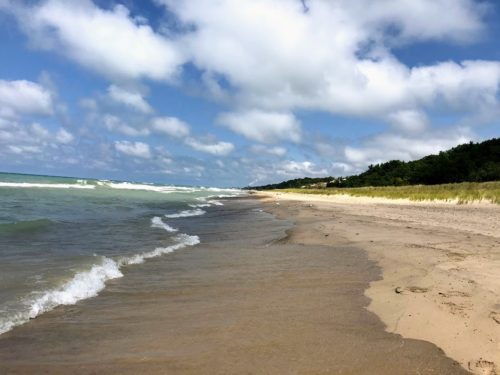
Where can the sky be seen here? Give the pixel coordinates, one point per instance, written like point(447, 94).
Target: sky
point(248, 92)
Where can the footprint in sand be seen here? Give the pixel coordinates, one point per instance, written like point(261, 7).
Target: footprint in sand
point(454, 293)
point(417, 289)
point(495, 316)
point(483, 367)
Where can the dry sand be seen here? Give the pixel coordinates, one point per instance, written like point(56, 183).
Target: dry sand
point(440, 262)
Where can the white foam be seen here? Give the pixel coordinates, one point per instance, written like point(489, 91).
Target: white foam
point(216, 203)
point(201, 205)
point(84, 284)
point(183, 240)
point(166, 189)
point(52, 186)
point(157, 222)
point(186, 213)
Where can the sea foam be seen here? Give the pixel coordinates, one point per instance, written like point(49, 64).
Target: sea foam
point(86, 284)
point(51, 186)
point(166, 189)
point(186, 213)
point(157, 222)
point(183, 240)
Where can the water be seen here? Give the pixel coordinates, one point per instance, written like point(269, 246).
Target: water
point(62, 238)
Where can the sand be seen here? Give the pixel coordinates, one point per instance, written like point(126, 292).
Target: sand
point(440, 267)
point(250, 299)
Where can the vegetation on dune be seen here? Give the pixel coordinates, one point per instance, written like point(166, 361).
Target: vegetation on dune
point(461, 192)
point(469, 172)
point(470, 162)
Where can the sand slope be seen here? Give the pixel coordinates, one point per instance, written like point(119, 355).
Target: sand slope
point(441, 269)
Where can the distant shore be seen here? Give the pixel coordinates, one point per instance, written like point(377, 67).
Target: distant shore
point(440, 264)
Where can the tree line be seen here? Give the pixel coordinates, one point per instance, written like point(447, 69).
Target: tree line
point(470, 162)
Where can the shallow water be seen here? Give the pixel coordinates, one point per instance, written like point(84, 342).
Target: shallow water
point(62, 239)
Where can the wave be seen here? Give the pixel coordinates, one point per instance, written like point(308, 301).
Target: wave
point(186, 213)
point(25, 226)
point(183, 240)
point(83, 285)
point(216, 203)
point(87, 284)
point(42, 185)
point(201, 205)
point(156, 222)
point(166, 189)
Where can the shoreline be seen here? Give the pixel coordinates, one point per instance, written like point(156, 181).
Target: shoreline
point(439, 266)
point(252, 297)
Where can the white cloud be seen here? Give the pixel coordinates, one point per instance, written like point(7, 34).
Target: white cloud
point(335, 57)
point(276, 150)
point(24, 97)
point(416, 20)
point(214, 148)
point(116, 124)
point(110, 42)
point(64, 136)
point(171, 126)
point(304, 168)
point(32, 142)
point(135, 149)
point(24, 149)
point(261, 126)
point(410, 121)
point(39, 132)
point(129, 98)
point(391, 146)
point(263, 173)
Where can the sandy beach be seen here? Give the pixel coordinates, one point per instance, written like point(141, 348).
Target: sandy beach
point(440, 261)
point(262, 296)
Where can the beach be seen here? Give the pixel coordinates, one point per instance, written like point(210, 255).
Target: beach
point(439, 263)
point(267, 295)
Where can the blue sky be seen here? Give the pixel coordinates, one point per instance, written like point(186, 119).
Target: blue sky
point(228, 93)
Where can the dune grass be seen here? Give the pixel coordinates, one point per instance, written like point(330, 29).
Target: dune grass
point(464, 192)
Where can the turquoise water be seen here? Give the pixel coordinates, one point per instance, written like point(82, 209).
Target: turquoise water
point(62, 238)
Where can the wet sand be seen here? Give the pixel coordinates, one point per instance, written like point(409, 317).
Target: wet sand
point(440, 262)
point(248, 300)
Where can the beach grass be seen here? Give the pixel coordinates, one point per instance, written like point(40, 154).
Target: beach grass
point(464, 192)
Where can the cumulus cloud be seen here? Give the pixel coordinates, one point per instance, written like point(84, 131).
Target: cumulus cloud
point(269, 61)
point(262, 126)
point(129, 98)
point(390, 146)
point(110, 42)
point(336, 56)
point(410, 121)
point(215, 148)
point(23, 142)
point(171, 126)
point(24, 97)
point(64, 136)
point(304, 168)
point(134, 149)
point(116, 124)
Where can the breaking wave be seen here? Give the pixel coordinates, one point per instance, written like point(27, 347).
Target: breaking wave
point(186, 213)
point(80, 185)
point(87, 284)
